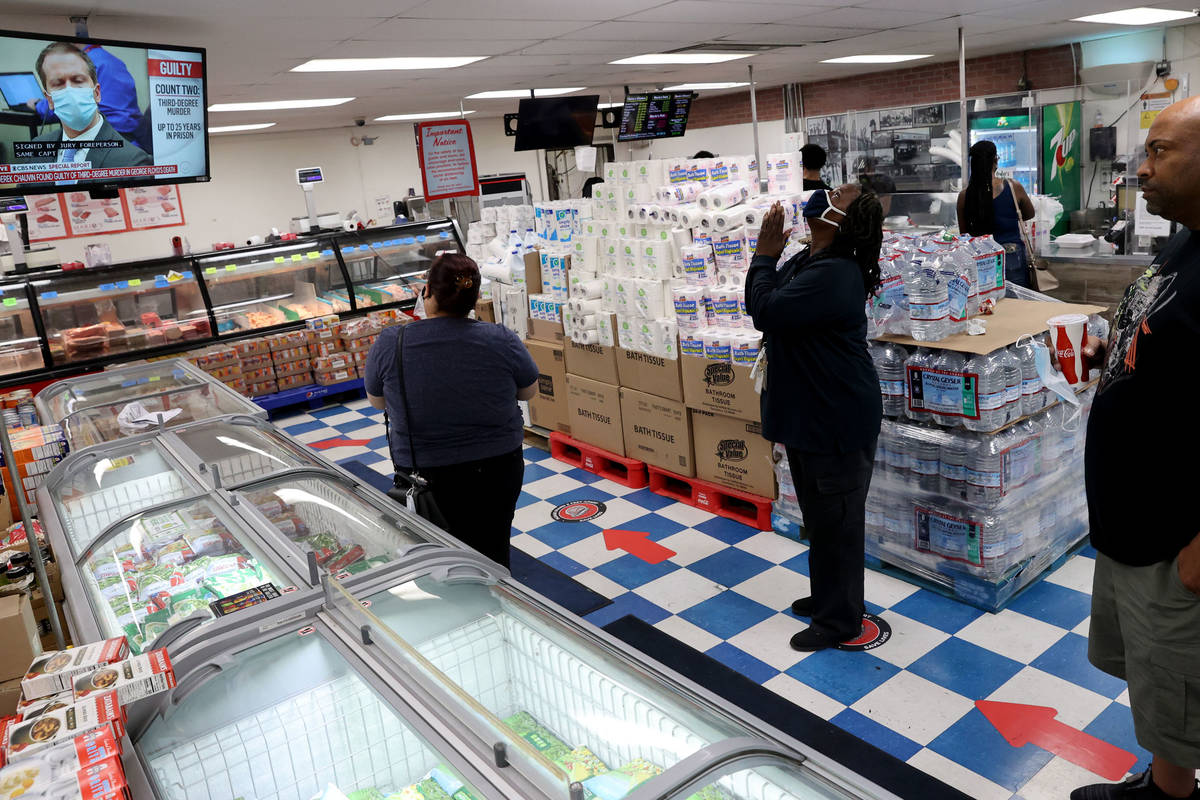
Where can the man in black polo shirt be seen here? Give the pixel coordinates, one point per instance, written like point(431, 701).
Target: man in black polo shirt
point(812, 161)
point(1142, 440)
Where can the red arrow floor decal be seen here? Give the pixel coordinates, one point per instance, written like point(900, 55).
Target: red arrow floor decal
point(329, 444)
point(637, 544)
point(1021, 725)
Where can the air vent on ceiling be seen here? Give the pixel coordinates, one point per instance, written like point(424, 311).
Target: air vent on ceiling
point(730, 47)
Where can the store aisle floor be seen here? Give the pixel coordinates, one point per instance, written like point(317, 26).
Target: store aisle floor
point(722, 591)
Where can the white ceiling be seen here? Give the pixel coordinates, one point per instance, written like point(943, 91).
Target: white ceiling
point(252, 44)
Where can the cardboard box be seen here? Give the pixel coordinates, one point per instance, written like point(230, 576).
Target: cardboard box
point(548, 408)
point(595, 413)
point(732, 452)
point(533, 272)
point(657, 431)
point(594, 361)
point(10, 695)
point(1011, 320)
point(650, 374)
point(485, 311)
point(719, 387)
point(19, 633)
point(544, 331)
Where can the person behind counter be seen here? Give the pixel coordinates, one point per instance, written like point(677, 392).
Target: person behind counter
point(462, 381)
point(987, 207)
point(821, 399)
point(812, 161)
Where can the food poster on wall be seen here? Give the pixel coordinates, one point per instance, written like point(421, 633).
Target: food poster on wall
point(47, 217)
point(153, 207)
point(1061, 159)
point(88, 217)
point(62, 216)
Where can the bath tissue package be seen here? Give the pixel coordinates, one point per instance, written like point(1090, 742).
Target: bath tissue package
point(744, 347)
point(677, 170)
point(717, 344)
point(699, 264)
point(631, 257)
point(656, 260)
point(725, 195)
point(690, 343)
point(689, 307)
point(725, 306)
point(698, 170)
point(729, 249)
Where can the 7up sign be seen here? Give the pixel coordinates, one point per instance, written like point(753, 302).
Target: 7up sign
point(1060, 158)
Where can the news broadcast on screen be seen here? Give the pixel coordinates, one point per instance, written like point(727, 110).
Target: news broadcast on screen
point(93, 113)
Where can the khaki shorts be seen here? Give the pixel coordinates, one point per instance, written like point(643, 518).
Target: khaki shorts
point(1145, 629)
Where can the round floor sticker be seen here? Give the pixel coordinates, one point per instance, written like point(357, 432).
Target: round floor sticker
point(578, 511)
point(875, 632)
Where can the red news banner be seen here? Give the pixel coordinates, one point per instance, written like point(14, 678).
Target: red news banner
point(70, 214)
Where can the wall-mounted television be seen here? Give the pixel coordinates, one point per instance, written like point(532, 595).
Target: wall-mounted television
point(660, 115)
point(556, 123)
point(99, 114)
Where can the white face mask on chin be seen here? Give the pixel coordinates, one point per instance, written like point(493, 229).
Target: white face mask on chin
point(419, 309)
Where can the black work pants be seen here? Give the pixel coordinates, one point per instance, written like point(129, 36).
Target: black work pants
point(478, 500)
point(832, 489)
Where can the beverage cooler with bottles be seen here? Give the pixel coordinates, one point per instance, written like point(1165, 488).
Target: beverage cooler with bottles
point(1018, 141)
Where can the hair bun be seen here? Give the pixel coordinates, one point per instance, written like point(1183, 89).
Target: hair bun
point(464, 282)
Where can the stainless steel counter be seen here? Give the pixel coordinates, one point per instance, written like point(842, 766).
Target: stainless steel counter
point(1096, 253)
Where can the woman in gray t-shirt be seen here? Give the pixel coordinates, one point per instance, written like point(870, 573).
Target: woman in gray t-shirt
point(462, 379)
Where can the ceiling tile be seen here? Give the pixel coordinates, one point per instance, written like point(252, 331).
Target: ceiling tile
point(604, 48)
point(532, 9)
point(357, 48)
point(865, 18)
point(684, 33)
point(719, 11)
point(409, 30)
point(790, 34)
point(937, 6)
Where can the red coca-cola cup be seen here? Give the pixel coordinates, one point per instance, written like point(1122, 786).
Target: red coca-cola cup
point(1068, 332)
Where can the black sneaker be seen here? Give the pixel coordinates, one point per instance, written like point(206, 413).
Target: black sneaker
point(803, 607)
point(1137, 787)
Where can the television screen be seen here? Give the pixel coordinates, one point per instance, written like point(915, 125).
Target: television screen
point(556, 123)
point(99, 114)
point(654, 116)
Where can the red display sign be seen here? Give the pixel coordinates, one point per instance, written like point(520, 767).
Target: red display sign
point(71, 214)
point(446, 153)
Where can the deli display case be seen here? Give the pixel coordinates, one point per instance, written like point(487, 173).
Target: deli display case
point(133, 399)
point(63, 322)
point(20, 343)
point(93, 315)
point(273, 285)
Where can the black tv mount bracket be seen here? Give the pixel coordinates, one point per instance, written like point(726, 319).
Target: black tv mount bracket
point(510, 124)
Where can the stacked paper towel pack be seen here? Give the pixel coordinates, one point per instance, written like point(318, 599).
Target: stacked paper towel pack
point(489, 237)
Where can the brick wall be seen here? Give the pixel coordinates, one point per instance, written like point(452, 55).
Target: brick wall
point(998, 74)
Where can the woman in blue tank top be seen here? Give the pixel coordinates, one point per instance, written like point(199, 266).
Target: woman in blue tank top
point(986, 207)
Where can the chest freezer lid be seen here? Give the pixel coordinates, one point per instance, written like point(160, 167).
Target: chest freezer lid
point(228, 451)
point(123, 384)
point(172, 567)
point(92, 489)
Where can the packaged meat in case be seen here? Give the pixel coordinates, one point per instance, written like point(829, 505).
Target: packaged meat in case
point(352, 329)
point(55, 671)
point(216, 357)
point(284, 341)
point(259, 375)
point(30, 737)
point(131, 679)
point(328, 377)
point(292, 381)
point(290, 368)
point(290, 354)
point(338, 361)
point(321, 335)
point(257, 362)
point(252, 347)
point(361, 345)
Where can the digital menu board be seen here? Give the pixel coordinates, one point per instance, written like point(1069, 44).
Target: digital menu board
point(654, 116)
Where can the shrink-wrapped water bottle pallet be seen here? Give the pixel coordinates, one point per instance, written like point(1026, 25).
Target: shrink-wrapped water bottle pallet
point(618, 469)
point(991, 596)
point(1012, 319)
point(748, 509)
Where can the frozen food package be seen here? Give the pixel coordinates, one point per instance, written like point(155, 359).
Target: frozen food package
point(131, 679)
point(28, 709)
point(30, 737)
point(262, 388)
point(36, 778)
point(302, 366)
point(328, 377)
point(251, 347)
point(260, 361)
point(293, 381)
point(55, 671)
point(85, 750)
point(617, 783)
point(285, 341)
point(327, 348)
point(338, 361)
point(288, 354)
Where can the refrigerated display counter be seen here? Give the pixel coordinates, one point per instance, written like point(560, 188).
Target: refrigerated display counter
point(450, 678)
point(66, 322)
point(89, 408)
point(152, 528)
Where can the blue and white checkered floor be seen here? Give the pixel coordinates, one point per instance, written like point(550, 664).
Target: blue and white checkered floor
point(722, 593)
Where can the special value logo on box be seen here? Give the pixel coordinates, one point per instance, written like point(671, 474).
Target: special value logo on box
point(718, 374)
point(733, 450)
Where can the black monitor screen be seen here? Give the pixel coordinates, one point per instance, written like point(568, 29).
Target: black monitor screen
point(654, 116)
point(556, 123)
point(99, 114)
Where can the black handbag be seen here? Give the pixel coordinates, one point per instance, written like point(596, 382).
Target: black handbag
point(409, 487)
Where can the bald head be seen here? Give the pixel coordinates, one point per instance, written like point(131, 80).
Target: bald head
point(1170, 175)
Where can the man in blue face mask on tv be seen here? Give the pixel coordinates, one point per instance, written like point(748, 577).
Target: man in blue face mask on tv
point(69, 80)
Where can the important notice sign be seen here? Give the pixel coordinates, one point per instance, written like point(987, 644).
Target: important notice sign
point(446, 153)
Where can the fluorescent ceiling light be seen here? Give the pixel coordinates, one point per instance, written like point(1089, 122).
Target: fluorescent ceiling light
point(368, 64)
point(682, 58)
point(610, 105)
point(507, 93)
point(700, 87)
point(278, 105)
point(426, 115)
point(1137, 16)
point(257, 126)
point(875, 59)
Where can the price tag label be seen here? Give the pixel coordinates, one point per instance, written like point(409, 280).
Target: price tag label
point(135, 281)
point(231, 267)
point(47, 295)
point(122, 284)
point(297, 257)
point(107, 287)
point(279, 259)
point(210, 270)
point(10, 301)
point(314, 254)
point(153, 378)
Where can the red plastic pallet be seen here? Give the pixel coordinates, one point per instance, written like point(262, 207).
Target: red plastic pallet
point(618, 469)
point(748, 509)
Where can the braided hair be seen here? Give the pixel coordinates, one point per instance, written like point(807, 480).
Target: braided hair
point(860, 238)
point(979, 215)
